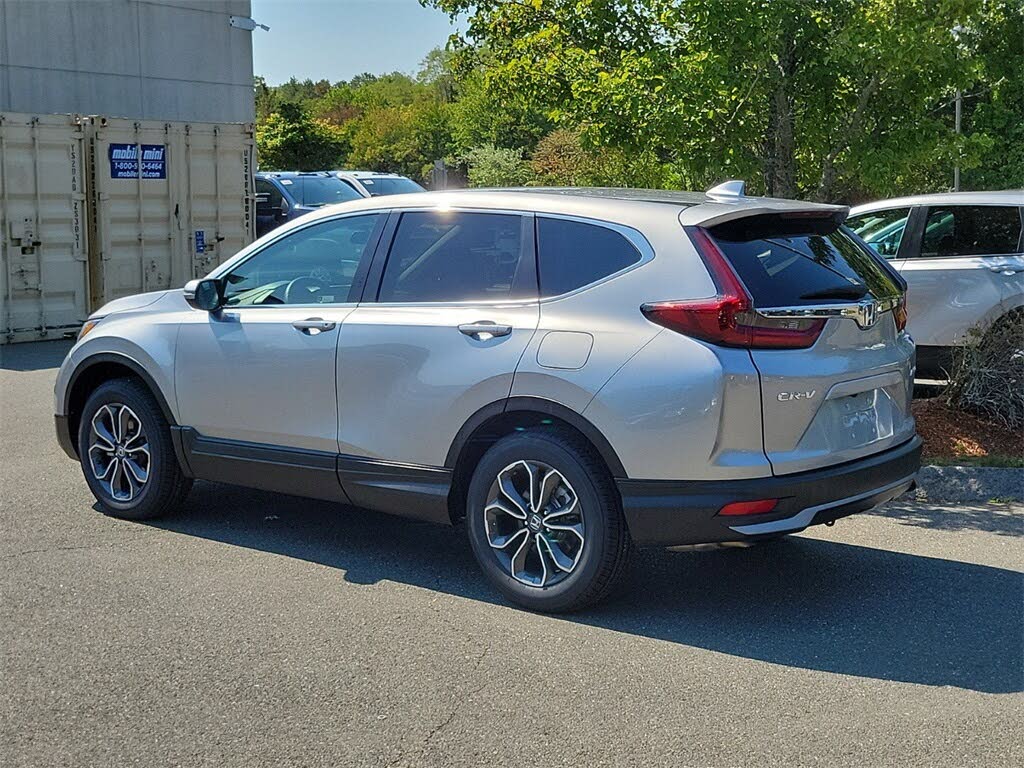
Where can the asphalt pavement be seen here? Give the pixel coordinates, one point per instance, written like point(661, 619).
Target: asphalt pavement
point(258, 629)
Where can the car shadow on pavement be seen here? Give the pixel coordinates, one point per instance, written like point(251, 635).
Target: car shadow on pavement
point(34, 356)
point(1000, 519)
point(800, 602)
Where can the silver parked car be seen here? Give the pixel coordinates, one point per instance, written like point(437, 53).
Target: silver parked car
point(377, 184)
point(566, 371)
point(962, 256)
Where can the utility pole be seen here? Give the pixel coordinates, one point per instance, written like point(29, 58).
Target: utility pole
point(959, 109)
point(957, 33)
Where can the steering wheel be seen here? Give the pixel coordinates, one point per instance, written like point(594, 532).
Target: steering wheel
point(302, 290)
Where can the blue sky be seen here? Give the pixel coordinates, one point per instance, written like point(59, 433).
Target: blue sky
point(336, 39)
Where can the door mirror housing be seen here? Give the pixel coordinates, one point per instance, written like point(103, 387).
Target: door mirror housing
point(206, 294)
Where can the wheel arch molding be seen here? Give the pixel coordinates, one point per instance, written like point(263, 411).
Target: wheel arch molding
point(91, 372)
point(498, 419)
point(505, 411)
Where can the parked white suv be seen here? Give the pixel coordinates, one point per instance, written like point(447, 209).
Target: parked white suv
point(962, 256)
point(378, 184)
point(567, 371)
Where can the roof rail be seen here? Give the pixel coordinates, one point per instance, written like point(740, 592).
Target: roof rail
point(731, 188)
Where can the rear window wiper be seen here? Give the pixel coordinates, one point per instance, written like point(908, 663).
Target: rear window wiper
point(855, 291)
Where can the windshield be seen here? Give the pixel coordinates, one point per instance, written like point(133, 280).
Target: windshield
point(315, 191)
point(881, 230)
point(390, 185)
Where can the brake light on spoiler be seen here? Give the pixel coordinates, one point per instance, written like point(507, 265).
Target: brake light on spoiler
point(729, 318)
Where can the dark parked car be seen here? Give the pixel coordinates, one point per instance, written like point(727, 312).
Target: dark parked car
point(286, 195)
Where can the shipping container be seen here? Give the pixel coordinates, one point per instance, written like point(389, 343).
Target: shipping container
point(95, 208)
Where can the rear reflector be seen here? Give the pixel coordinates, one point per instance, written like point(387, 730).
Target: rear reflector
point(759, 507)
point(729, 319)
point(900, 313)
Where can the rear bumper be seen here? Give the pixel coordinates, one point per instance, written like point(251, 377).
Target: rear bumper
point(669, 512)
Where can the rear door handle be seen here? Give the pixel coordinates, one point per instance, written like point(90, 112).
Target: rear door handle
point(1007, 270)
point(313, 325)
point(485, 330)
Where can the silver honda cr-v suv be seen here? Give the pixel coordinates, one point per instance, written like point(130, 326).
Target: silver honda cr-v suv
point(566, 371)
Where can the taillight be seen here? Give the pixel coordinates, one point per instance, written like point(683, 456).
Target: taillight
point(759, 507)
point(900, 313)
point(729, 318)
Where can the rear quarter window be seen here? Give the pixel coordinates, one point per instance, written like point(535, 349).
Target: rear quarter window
point(572, 254)
point(971, 230)
point(794, 269)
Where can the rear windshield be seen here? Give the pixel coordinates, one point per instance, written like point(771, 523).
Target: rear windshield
point(390, 185)
point(793, 269)
point(315, 191)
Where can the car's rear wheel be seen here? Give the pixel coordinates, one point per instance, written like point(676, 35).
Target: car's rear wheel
point(545, 521)
point(125, 448)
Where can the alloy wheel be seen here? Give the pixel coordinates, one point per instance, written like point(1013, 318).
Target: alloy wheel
point(119, 452)
point(534, 523)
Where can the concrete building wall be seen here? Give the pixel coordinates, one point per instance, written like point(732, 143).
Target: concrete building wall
point(142, 59)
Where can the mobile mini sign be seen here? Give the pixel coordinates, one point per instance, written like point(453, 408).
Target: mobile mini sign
point(124, 161)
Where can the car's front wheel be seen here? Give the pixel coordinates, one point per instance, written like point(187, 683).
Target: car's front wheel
point(545, 521)
point(124, 444)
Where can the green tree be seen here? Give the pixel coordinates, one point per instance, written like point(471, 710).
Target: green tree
point(825, 98)
point(490, 166)
point(289, 139)
point(405, 139)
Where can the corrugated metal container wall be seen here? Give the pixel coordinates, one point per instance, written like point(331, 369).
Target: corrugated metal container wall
point(43, 245)
point(188, 210)
point(123, 207)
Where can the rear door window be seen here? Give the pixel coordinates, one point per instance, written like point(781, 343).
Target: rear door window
point(456, 256)
point(881, 230)
point(572, 254)
point(978, 230)
point(794, 269)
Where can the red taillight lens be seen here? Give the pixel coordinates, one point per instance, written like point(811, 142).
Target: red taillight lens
point(900, 313)
point(729, 319)
point(759, 507)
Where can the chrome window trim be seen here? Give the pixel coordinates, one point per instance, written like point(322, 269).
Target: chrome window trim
point(633, 236)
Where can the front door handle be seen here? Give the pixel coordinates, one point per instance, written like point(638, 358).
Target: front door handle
point(313, 325)
point(485, 330)
point(1007, 270)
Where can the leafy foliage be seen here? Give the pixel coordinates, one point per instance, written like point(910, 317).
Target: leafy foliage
point(840, 100)
point(289, 139)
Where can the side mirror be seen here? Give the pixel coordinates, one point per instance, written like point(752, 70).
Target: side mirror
point(206, 294)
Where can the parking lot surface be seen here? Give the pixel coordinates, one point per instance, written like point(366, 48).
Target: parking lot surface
point(258, 629)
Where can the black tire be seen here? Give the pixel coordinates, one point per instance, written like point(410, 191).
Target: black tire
point(165, 486)
point(602, 556)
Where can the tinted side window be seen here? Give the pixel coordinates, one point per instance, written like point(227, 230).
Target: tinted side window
point(438, 256)
point(268, 188)
point(978, 230)
point(315, 265)
point(882, 230)
point(572, 254)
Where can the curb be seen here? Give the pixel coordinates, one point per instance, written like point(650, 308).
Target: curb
point(968, 484)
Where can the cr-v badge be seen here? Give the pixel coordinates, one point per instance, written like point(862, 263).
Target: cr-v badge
point(785, 397)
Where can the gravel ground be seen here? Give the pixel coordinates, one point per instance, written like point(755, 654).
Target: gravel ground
point(257, 629)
